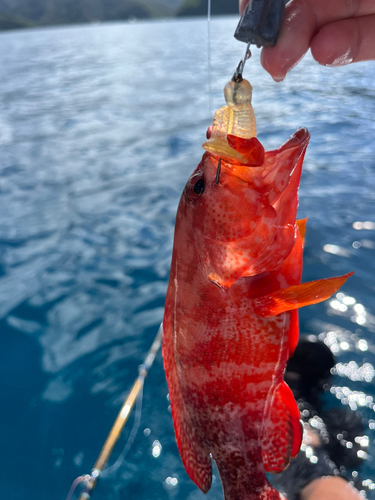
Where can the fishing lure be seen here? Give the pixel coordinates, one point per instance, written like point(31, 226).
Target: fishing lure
point(231, 319)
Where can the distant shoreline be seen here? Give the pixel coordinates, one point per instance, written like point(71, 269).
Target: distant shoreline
point(40, 13)
point(116, 21)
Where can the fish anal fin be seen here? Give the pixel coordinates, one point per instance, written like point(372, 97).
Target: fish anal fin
point(297, 296)
point(301, 224)
point(282, 430)
point(293, 331)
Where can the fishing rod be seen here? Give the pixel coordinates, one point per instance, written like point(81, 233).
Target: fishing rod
point(89, 480)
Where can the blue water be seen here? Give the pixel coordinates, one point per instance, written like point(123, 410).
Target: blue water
point(100, 126)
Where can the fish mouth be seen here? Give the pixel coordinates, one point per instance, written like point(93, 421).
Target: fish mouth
point(280, 161)
point(282, 168)
point(274, 184)
point(285, 158)
point(300, 138)
point(265, 244)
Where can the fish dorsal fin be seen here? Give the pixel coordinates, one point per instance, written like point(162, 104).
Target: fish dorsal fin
point(282, 430)
point(298, 296)
point(195, 457)
point(301, 224)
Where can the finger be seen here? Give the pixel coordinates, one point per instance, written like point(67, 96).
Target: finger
point(299, 25)
point(242, 4)
point(302, 21)
point(344, 42)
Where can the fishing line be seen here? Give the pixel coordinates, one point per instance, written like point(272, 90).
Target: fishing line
point(110, 471)
point(209, 57)
point(237, 77)
point(74, 486)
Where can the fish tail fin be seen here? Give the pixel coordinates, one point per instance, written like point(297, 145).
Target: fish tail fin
point(268, 492)
point(243, 476)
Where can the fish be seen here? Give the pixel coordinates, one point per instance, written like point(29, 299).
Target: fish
point(231, 311)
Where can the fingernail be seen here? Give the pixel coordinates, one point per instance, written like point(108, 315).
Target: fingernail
point(340, 60)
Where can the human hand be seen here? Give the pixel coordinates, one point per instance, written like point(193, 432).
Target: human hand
point(339, 32)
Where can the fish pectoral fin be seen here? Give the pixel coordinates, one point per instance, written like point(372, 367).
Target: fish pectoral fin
point(282, 430)
point(298, 296)
point(301, 224)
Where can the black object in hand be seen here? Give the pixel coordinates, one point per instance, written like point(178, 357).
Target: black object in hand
point(260, 22)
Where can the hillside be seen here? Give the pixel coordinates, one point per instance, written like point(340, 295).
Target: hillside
point(199, 8)
point(51, 12)
point(8, 22)
point(26, 13)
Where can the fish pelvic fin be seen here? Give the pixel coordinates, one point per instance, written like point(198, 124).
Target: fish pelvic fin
point(293, 333)
point(282, 430)
point(301, 224)
point(298, 296)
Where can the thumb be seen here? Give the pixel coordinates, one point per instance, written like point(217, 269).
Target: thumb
point(242, 4)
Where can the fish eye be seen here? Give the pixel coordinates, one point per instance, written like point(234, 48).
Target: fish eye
point(198, 187)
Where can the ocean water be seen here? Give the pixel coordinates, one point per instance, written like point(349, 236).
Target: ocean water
point(100, 127)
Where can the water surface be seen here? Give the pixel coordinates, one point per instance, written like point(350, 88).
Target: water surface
point(100, 126)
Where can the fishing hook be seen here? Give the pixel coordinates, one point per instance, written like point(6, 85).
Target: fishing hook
point(237, 77)
point(218, 172)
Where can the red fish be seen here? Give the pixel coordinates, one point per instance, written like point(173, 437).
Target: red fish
point(231, 319)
